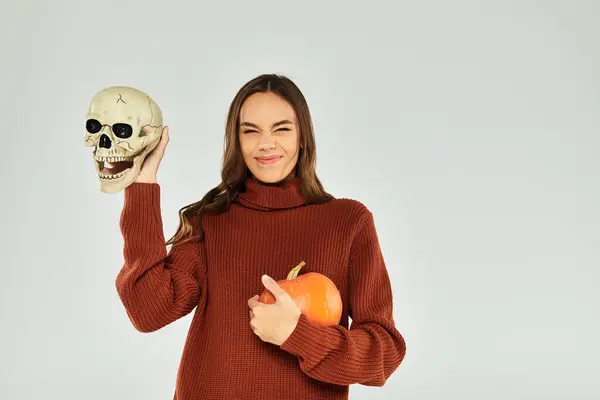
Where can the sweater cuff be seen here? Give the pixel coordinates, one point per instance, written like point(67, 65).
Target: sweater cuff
point(306, 339)
point(141, 206)
point(142, 194)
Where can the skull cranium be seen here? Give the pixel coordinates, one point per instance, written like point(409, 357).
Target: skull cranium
point(123, 125)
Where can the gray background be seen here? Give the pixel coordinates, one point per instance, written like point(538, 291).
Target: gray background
point(469, 128)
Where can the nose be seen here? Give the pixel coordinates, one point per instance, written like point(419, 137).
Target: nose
point(105, 141)
point(264, 146)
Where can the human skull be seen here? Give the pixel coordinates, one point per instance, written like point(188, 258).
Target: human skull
point(123, 125)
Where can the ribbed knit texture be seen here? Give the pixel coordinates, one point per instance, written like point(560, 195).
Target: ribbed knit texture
point(267, 230)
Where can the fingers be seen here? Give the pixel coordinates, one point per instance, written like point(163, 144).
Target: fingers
point(151, 163)
point(274, 288)
point(164, 139)
point(253, 302)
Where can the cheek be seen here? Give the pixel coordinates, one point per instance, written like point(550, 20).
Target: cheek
point(289, 144)
point(246, 146)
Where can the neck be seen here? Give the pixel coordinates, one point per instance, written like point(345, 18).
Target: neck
point(264, 196)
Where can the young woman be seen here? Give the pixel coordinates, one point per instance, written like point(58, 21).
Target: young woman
point(269, 213)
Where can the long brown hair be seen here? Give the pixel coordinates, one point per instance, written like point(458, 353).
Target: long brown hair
point(234, 171)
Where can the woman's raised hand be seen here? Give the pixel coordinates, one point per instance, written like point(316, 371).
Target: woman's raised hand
point(152, 161)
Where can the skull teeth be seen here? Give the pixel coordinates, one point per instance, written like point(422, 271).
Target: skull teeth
point(114, 159)
point(115, 176)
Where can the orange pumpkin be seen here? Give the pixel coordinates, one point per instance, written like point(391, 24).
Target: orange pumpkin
point(315, 294)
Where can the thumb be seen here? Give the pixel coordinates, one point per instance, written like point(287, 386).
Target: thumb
point(274, 288)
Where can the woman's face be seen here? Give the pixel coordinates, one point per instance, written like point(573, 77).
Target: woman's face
point(268, 137)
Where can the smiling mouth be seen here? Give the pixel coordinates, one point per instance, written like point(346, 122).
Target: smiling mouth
point(268, 160)
point(113, 167)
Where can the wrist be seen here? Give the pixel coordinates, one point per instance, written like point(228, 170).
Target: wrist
point(145, 179)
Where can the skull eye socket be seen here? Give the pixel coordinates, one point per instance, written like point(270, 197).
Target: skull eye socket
point(93, 126)
point(122, 131)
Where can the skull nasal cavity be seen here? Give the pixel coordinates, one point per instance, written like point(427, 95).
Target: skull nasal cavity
point(105, 141)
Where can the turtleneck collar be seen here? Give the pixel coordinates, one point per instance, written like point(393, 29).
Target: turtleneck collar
point(267, 197)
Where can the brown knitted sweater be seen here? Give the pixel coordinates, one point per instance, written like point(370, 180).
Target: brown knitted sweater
point(267, 230)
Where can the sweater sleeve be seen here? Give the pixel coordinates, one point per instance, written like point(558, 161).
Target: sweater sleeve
point(372, 349)
point(155, 287)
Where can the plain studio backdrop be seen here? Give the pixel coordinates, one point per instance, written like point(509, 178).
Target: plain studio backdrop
point(469, 128)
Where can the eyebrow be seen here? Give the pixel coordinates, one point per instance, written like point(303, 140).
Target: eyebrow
point(276, 124)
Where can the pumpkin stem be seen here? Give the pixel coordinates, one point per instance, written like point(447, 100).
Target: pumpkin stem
point(294, 272)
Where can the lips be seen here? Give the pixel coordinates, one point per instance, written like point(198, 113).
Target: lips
point(268, 159)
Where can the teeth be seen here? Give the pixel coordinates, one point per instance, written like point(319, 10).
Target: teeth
point(113, 159)
point(115, 176)
point(108, 163)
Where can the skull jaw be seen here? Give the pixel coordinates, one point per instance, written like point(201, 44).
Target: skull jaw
point(112, 186)
point(116, 185)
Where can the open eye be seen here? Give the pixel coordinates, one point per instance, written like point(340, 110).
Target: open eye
point(122, 131)
point(93, 126)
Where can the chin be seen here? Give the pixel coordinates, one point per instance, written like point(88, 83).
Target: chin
point(270, 176)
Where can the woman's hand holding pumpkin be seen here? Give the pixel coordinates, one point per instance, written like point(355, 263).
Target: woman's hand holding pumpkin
point(274, 323)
